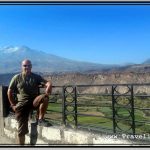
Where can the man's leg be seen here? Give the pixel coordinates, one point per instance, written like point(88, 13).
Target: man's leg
point(22, 115)
point(21, 139)
point(41, 103)
point(42, 108)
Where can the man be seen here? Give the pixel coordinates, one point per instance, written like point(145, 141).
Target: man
point(26, 86)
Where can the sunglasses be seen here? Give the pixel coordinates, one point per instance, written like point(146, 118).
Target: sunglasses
point(26, 65)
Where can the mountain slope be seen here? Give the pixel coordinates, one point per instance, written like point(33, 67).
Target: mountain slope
point(147, 61)
point(11, 58)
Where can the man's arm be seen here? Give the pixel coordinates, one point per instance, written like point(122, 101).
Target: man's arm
point(11, 99)
point(48, 86)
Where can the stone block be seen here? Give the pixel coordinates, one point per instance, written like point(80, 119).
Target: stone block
point(73, 137)
point(51, 133)
point(10, 134)
point(14, 124)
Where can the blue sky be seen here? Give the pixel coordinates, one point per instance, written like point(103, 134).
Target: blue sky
point(105, 34)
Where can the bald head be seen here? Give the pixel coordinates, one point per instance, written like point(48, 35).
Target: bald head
point(26, 66)
point(26, 61)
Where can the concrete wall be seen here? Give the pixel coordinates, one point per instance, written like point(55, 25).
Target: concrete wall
point(55, 135)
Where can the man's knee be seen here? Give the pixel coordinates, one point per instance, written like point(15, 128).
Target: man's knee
point(40, 99)
point(45, 99)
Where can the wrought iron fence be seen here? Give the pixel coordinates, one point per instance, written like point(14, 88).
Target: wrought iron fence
point(109, 108)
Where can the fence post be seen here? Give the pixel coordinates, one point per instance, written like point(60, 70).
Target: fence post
point(132, 110)
point(63, 106)
point(4, 107)
point(113, 109)
point(75, 94)
point(1, 112)
point(69, 105)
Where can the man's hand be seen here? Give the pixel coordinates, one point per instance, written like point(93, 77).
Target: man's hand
point(11, 99)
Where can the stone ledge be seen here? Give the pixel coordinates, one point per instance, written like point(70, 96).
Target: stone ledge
point(56, 135)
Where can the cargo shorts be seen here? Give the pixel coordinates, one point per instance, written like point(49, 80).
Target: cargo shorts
point(23, 110)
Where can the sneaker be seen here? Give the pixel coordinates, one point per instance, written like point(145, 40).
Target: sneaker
point(42, 122)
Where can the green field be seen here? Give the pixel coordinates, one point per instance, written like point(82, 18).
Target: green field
point(100, 109)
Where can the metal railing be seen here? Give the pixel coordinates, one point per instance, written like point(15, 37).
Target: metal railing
point(109, 108)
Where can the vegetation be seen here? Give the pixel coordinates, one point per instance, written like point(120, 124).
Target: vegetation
point(96, 111)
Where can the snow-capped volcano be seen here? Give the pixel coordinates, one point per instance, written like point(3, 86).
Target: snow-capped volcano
point(11, 49)
point(12, 56)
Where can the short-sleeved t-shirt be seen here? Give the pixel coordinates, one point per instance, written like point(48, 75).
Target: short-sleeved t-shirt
point(26, 87)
